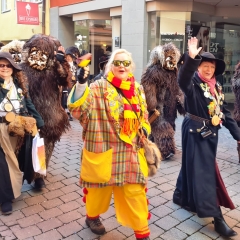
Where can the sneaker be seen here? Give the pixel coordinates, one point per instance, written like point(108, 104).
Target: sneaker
point(95, 225)
point(70, 118)
point(39, 183)
point(6, 208)
point(146, 238)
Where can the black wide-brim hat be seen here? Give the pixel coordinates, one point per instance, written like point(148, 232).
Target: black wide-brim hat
point(8, 56)
point(73, 52)
point(103, 60)
point(220, 64)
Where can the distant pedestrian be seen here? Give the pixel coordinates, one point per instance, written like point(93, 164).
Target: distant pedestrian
point(200, 187)
point(111, 111)
point(103, 60)
point(72, 53)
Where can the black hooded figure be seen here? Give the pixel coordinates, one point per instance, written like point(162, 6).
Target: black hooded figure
point(200, 187)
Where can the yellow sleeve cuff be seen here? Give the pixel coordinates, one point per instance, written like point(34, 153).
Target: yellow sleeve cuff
point(70, 102)
point(147, 127)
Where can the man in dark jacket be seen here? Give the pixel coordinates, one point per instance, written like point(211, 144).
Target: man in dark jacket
point(72, 53)
point(200, 187)
point(102, 63)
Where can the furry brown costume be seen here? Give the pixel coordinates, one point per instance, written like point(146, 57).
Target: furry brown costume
point(163, 93)
point(45, 75)
point(236, 90)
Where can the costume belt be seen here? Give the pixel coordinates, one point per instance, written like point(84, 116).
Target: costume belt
point(198, 119)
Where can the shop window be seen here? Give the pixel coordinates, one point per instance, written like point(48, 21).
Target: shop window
point(166, 27)
point(224, 44)
point(94, 36)
point(5, 6)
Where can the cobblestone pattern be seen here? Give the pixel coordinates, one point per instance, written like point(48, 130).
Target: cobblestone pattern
point(57, 212)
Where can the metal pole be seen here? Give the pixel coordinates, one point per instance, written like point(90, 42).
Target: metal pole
point(43, 15)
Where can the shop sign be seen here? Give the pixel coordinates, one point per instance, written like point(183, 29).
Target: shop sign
point(189, 31)
point(117, 41)
point(234, 34)
point(169, 37)
point(27, 13)
point(213, 47)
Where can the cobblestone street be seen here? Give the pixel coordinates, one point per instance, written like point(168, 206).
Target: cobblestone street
point(57, 212)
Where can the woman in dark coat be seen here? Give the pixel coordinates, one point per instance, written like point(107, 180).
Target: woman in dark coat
point(14, 97)
point(200, 187)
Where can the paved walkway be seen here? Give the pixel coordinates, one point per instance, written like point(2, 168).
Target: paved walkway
point(57, 212)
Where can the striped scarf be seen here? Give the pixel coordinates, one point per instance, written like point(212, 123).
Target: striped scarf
point(127, 87)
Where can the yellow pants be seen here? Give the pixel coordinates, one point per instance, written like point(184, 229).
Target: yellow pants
point(130, 204)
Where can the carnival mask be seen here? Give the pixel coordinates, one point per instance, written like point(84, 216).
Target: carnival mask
point(170, 62)
point(38, 59)
point(16, 57)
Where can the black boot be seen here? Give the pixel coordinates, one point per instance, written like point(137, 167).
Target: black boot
point(177, 198)
point(39, 183)
point(6, 208)
point(222, 228)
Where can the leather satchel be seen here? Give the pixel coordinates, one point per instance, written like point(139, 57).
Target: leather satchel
point(151, 152)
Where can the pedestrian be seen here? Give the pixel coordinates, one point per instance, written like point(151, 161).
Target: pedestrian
point(102, 63)
point(14, 98)
point(72, 53)
point(110, 111)
point(200, 187)
point(163, 95)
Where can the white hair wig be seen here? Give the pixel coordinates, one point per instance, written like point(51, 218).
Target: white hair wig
point(114, 53)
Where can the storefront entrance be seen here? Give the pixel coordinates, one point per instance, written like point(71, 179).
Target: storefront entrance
point(94, 36)
point(216, 35)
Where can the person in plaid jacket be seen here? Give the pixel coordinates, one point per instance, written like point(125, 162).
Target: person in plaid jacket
point(111, 111)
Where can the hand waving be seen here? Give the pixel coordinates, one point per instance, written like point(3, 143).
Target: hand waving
point(193, 50)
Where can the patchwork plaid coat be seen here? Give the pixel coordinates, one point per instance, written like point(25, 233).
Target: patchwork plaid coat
point(100, 112)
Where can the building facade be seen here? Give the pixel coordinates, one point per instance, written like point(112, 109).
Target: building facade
point(12, 28)
point(100, 26)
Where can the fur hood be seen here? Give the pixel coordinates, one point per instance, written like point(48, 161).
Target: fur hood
point(236, 77)
point(166, 55)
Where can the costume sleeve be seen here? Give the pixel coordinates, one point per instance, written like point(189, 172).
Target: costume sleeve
point(230, 123)
point(236, 91)
point(80, 102)
point(187, 68)
point(145, 124)
point(149, 86)
point(32, 111)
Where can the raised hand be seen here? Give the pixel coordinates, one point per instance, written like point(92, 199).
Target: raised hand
point(61, 49)
point(82, 74)
point(193, 50)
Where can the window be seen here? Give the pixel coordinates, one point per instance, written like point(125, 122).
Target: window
point(5, 6)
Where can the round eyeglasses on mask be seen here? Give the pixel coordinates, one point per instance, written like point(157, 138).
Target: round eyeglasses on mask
point(125, 63)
